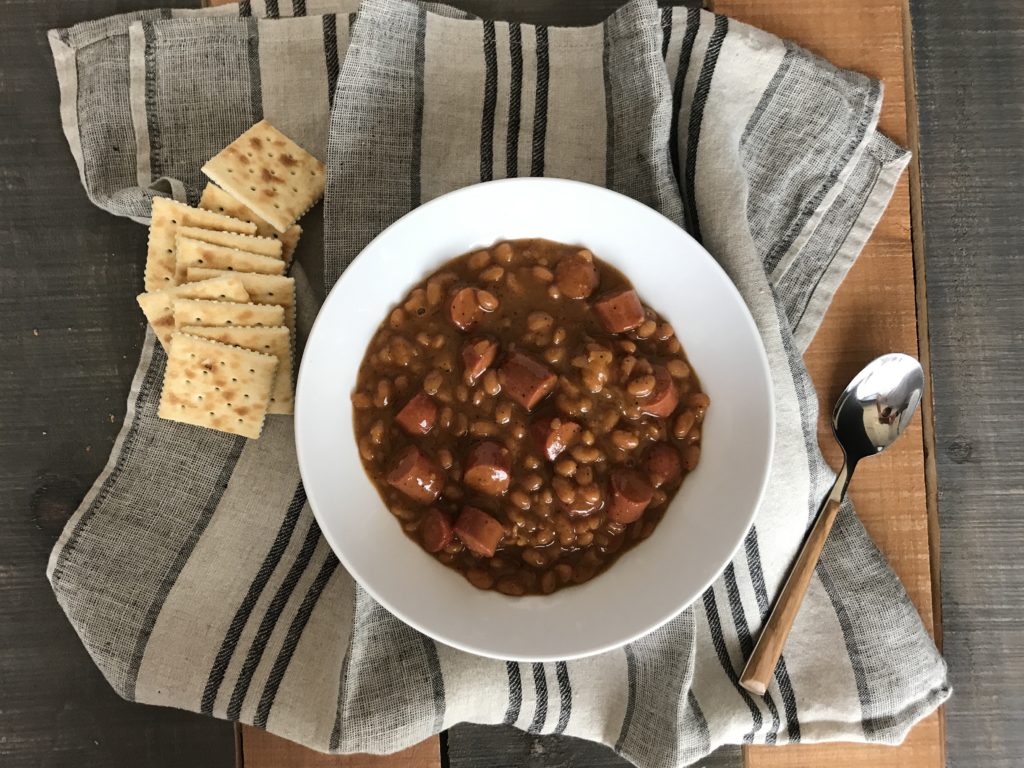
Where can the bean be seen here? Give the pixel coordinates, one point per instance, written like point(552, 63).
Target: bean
point(366, 449)
point(461, 424)
point(564, 572)
point(543, 274)
point(533, 481)
point(511, 586)
point(534, 557)
point(492, 274)
point(559, 336)
point(478, 396)
point(480, 578)
point(416, 302)
point(673, 346)
point(658, 498)
point(543, 537)
point(607, 420)
point(684, 423)
point(479, 260)
point(434, 293)
point(666, 331)
point(698, 401)
point(553, 292)
point(487, 301)
point(678, 368)
point(584, 475)
point(461, 393)
point(539, 321)
point(402, 383)
point(517, 518)
point(655, 431)
point(438, 341)
point(519, 431)
point(377, 432)
point(454, 547)
point(444, 456)
point(432, 382)
point(625, 441)
point(499, 564)
point(445, 417)
point(397, 317)
point(531, 462)
point(383, 396)
point(504, 253)
point(690, 457)
point(520, 499)
point(483, 429)
point(641, 386)
point(586, 454)
point(584, 539)
point(694, 436)
point(521, 541)
point(546, 497)
point(503, 413)
point(410, 527)
point(491, 384)
point(361, 401)
point(404, 513)
point(566, 533)
point(548, 582)
point(423, 339)
point(590, 493)
point(453, 491)
point(626, 366)
point(554, 355)
point(565, 490)
point(565, 467)
point(587, 437)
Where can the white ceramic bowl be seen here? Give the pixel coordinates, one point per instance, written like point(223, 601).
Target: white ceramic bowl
point(708, 518)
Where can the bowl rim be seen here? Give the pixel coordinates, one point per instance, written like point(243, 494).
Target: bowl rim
point(762, 361)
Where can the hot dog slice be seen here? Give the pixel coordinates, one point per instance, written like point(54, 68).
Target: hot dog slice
point(416, 475)
point(525, 380)
point(480, 532)
point(418, 415)
point(629, 493)
point(487, 468)
point(620, 311)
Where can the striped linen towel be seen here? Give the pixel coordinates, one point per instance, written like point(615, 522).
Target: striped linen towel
point(193, 570)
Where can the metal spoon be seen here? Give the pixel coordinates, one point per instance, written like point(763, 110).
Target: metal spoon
point(870, 414)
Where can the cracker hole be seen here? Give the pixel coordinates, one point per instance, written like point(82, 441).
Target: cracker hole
point(221, 209)
point(252, 189)
point(246, 397)
point(229, 171)
point(174, 221)
point(239, 421)
point(251, 370)
point(170, 250)
point(234, 379)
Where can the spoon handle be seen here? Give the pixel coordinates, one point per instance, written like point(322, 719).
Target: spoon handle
point(757, 675)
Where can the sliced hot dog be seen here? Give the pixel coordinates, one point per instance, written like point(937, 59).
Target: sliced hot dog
point(576, 275)
point(416, 475)
point(487, 468)
point(525, 380)
point(629, 493)
point(552, 435)
point(480, 532)
point(665, 397)
point(463, 308)
point(418, 415)
point(620, 311)
point(435, 530)
point(662, 465)
point(477, 356)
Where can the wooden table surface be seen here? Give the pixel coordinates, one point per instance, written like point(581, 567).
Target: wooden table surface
point(71, 337)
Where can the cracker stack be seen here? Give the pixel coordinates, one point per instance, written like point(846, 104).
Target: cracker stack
point(217, 291)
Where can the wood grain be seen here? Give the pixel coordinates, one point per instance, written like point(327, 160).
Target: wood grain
point(874, 312)
point(264, 750)
point(970, 60)
point(71, 338)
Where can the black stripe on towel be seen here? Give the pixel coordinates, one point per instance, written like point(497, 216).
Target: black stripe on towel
point(718, 641)
point(273, 12)
point(685, 54)
point(609, 111)
point(152, 123)
point(666, 29)
point(739, 619)
point(781, 673)
point(291, 640)
point(515, 99)
point(244, 611)
point(627, 719)
point(490, 103)
point(540, 110)
point(270, 620)
point(299, 8)
point(245, 8)
point(700, 98)
point(540, 714)
point(415, 191)
point(330, 22)
point(255, 79)
point(515, 692)
point(565, 693)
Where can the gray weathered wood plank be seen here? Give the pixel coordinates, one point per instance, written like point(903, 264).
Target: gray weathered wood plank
point(70, 340)
point(970, 78)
